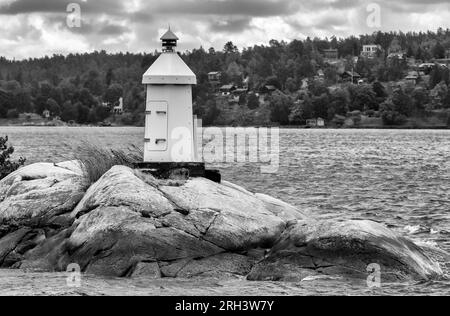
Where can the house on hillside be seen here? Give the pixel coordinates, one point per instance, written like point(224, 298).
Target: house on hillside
point(412, 78)
point(240, 91)
point(119, 108)
point(351, 76)
point(304, 85)
point(397, 56)
point(246, 82)
point(227, 89)
point(370, 51)
point(427, 68)
point(268, 89)
point(320, 75)
point(214, 77)
point(236, 95)
point(330, 54)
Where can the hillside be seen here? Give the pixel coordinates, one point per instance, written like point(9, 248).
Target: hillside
point(83, 88)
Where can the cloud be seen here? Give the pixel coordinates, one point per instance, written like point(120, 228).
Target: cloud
point(60, 6)
point(29, 27)
point(256, 8)
point(230, 24)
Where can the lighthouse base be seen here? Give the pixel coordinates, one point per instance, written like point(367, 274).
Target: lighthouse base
point(179, 170)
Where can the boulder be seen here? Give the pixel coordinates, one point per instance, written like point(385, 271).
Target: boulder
point(344, 248)
point(39, 193)
point(227, 215)
point(127, 218)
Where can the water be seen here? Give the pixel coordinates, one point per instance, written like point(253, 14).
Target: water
point(400, 178)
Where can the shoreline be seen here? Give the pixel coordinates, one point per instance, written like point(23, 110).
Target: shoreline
point(254, 126)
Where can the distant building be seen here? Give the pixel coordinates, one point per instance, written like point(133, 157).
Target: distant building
point(236, 94)
point(305, 84)
point(214, 77)
point(362, 82)
point(240, 91)
point(370, 51)
point(412, 78)
point(330, 54)
point(320, 75)
point(399, 56)
point(318, 122)
point(246, 82)
point(46, 114)
point(351, 76)
point(227, 89)
point(427, 68)
point(119, 108)
point(268, 89)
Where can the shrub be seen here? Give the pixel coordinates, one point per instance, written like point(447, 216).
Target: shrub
point(6, 165)
point(393, 118)
point(96, 160)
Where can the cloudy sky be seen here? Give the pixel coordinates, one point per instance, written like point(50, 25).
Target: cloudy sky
point(33, 28)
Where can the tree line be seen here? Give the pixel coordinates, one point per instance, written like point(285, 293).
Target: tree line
point(84, 87)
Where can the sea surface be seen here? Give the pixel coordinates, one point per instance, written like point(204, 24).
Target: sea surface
point(397, 177)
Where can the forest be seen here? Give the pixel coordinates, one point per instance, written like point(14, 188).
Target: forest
point(83, 88)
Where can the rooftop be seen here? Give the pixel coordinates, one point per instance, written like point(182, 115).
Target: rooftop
point(169, 36)
point(169, 68)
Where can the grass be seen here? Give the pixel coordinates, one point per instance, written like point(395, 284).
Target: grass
point(96, 160)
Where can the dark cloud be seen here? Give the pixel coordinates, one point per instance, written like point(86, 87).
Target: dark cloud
point(230, 25)
point(113, 29)
point(256, 8)
point(103, 28)
point(141, 17)
point(60, 6)
point(31, 27)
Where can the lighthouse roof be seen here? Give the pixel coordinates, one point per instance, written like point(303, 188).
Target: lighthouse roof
point(169, 36)
point(169, 68)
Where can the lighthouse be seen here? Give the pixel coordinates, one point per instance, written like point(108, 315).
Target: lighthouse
point(170, 143)
point(169, 123)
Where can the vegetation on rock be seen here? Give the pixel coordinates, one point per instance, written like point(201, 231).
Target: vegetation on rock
point(96, 160)
point(7, 165)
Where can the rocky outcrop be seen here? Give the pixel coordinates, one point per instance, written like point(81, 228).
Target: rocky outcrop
point(128, 218)
point(39, 193)
point(35, 203)
point(130, 224)
point(347, 248)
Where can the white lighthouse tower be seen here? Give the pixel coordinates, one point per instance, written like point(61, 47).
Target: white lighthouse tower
point(170, 128)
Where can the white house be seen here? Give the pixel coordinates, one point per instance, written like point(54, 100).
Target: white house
point(318, 122)
point(119, 109)
point(370, 51)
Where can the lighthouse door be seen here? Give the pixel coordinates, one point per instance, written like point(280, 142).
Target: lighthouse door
point(156, 132)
